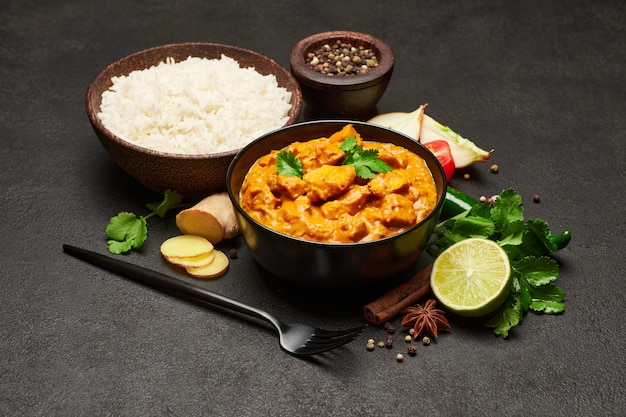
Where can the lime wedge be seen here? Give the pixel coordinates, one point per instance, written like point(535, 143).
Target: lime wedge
point(472, 277)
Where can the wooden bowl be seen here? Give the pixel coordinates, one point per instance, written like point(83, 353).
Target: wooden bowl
point(194, 176)
point(343, 97)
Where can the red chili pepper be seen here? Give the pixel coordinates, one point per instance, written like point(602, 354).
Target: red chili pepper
point(441, 149)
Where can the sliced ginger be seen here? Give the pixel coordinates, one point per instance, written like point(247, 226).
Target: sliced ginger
point(186, 246)
point(196, 254)
point(217, 267)
point(194, 262)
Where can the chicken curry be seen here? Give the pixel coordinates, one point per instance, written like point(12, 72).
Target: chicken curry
point(327, 201)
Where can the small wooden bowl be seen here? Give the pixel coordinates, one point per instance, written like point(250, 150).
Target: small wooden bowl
point(343, 97)
point(194, 176)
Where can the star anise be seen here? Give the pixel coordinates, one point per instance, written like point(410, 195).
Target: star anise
point(426, 318)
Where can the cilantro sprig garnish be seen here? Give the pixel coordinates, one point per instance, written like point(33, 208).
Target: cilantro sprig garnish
point(288, 165)
point(127, 231)
point(528, 246)
point(365, 161)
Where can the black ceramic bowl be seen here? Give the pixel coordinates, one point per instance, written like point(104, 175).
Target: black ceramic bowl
point(341, 97)
point(327, 264)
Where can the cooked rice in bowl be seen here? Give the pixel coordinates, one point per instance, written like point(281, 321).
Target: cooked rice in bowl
point(195, 106)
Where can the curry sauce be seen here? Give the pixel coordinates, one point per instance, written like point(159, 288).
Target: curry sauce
point(329, 202)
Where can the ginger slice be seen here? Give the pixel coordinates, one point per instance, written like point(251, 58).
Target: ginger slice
point(192, 262)
point(216, 268)
point(188, 247)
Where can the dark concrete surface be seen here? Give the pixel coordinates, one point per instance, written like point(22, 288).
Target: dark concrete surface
point(540, 82)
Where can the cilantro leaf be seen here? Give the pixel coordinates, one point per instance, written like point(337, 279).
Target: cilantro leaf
point(507, 208)
point(474, 226)
point(547, 299)
point(349, 145)
point(288, 165)
point(367, 164)
point(365, 161)
point(126, 231)
point(171, 199)
point(512, 234)
point(537, 271)
point(509, 316)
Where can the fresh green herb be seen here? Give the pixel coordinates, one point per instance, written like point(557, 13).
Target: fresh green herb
point(126, 231)
point(288, 165)
point(528, 244)
point(365, 161)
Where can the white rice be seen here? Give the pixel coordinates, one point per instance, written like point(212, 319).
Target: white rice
point(196, 106)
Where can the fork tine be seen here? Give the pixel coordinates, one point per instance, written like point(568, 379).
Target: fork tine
point(338, 333)
point(312, 349)
point(345, 337)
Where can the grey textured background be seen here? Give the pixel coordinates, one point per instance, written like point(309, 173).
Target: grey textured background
point(541, 82)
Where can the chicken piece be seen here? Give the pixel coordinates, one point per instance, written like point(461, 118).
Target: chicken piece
point(349, 203)
point(290, 187)
point(387, 183)
point(328, 181)
point(350, 229)
point(314, 154)
point(346, 132)
point(397, 211)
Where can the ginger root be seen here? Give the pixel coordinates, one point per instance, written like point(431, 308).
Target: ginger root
point(212, 218)
point(196, 254)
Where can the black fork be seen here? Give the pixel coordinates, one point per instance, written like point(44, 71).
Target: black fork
point(297, 339)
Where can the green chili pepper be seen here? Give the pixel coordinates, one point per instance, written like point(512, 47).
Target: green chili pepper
point(561, 240)
point(457, 202)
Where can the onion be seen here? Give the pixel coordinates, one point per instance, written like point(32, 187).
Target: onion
point(423, 128)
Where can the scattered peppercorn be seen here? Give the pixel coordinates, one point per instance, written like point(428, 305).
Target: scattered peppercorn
point(232, 253)
point(426, 340)
point(411, 331)
point(412, 350)
point(381, 344)
point(390, 328)
point(536, 198)
point(482, 199)
point(408, 338)
point(399, 357)
point(389, 342)
point(370, 346)
point(341, 59)
point(466, 176)
point(494, 169)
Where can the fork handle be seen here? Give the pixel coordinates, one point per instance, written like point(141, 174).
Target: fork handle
point(163, 282)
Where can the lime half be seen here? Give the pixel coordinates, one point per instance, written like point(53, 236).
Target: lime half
point(472, 277)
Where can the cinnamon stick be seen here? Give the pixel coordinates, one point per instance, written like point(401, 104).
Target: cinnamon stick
point(404, 295)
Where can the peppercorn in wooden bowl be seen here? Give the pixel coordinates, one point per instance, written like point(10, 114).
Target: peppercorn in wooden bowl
point(174, 116)
point(342, 74)
point(302, 260)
